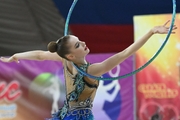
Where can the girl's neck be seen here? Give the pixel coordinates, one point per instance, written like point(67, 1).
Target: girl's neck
point(80, 62)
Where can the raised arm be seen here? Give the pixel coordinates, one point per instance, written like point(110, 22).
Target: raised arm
point(32, 55)
point(100, 68)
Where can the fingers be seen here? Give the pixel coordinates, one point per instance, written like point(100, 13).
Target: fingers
point(17, 61)
point(3, 59)
point(173, 32)
point(166, 23)
point(174, 28)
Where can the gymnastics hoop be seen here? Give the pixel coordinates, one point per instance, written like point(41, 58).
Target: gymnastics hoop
point(135, 71)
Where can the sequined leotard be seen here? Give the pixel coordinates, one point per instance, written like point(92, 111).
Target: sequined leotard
point(79, 97)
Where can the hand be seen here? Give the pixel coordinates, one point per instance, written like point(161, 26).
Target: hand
point(10, 59)
point(163, 29)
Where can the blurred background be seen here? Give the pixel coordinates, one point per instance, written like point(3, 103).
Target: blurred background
point(31, 24)
point(33, 90)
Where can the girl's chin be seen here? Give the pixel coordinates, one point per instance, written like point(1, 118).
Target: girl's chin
point(88, 50)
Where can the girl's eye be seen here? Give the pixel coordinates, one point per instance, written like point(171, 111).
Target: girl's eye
point(77, 45)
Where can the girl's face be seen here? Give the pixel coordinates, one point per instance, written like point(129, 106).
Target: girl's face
point(78, 48)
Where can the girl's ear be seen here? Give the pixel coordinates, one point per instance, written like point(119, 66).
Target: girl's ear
point(70, 57)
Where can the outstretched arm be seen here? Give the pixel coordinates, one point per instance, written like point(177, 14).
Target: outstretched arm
point(103, 67)
point(32, 55)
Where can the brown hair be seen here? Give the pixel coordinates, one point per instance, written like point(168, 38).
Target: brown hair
point(60, 46)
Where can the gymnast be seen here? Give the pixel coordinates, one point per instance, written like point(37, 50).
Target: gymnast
point(80, 89)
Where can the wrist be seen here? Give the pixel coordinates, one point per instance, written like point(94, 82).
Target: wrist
point(14, 57)
point(152, 31)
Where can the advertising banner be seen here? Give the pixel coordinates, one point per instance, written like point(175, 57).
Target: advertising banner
point(158, 85)
point(32, 90)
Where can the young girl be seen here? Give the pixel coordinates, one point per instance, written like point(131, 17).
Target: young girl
point(81, 90)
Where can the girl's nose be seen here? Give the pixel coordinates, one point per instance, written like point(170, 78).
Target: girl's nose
point(82, 42)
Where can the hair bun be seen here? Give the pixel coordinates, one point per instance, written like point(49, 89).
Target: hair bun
point(52, 46)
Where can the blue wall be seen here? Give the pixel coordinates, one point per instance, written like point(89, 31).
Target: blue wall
point(113, 11)
point(110, 21)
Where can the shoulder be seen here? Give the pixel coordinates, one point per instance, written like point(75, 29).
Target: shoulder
point(94, 70)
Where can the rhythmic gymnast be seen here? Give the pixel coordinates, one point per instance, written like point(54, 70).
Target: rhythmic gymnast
point(80, 89)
